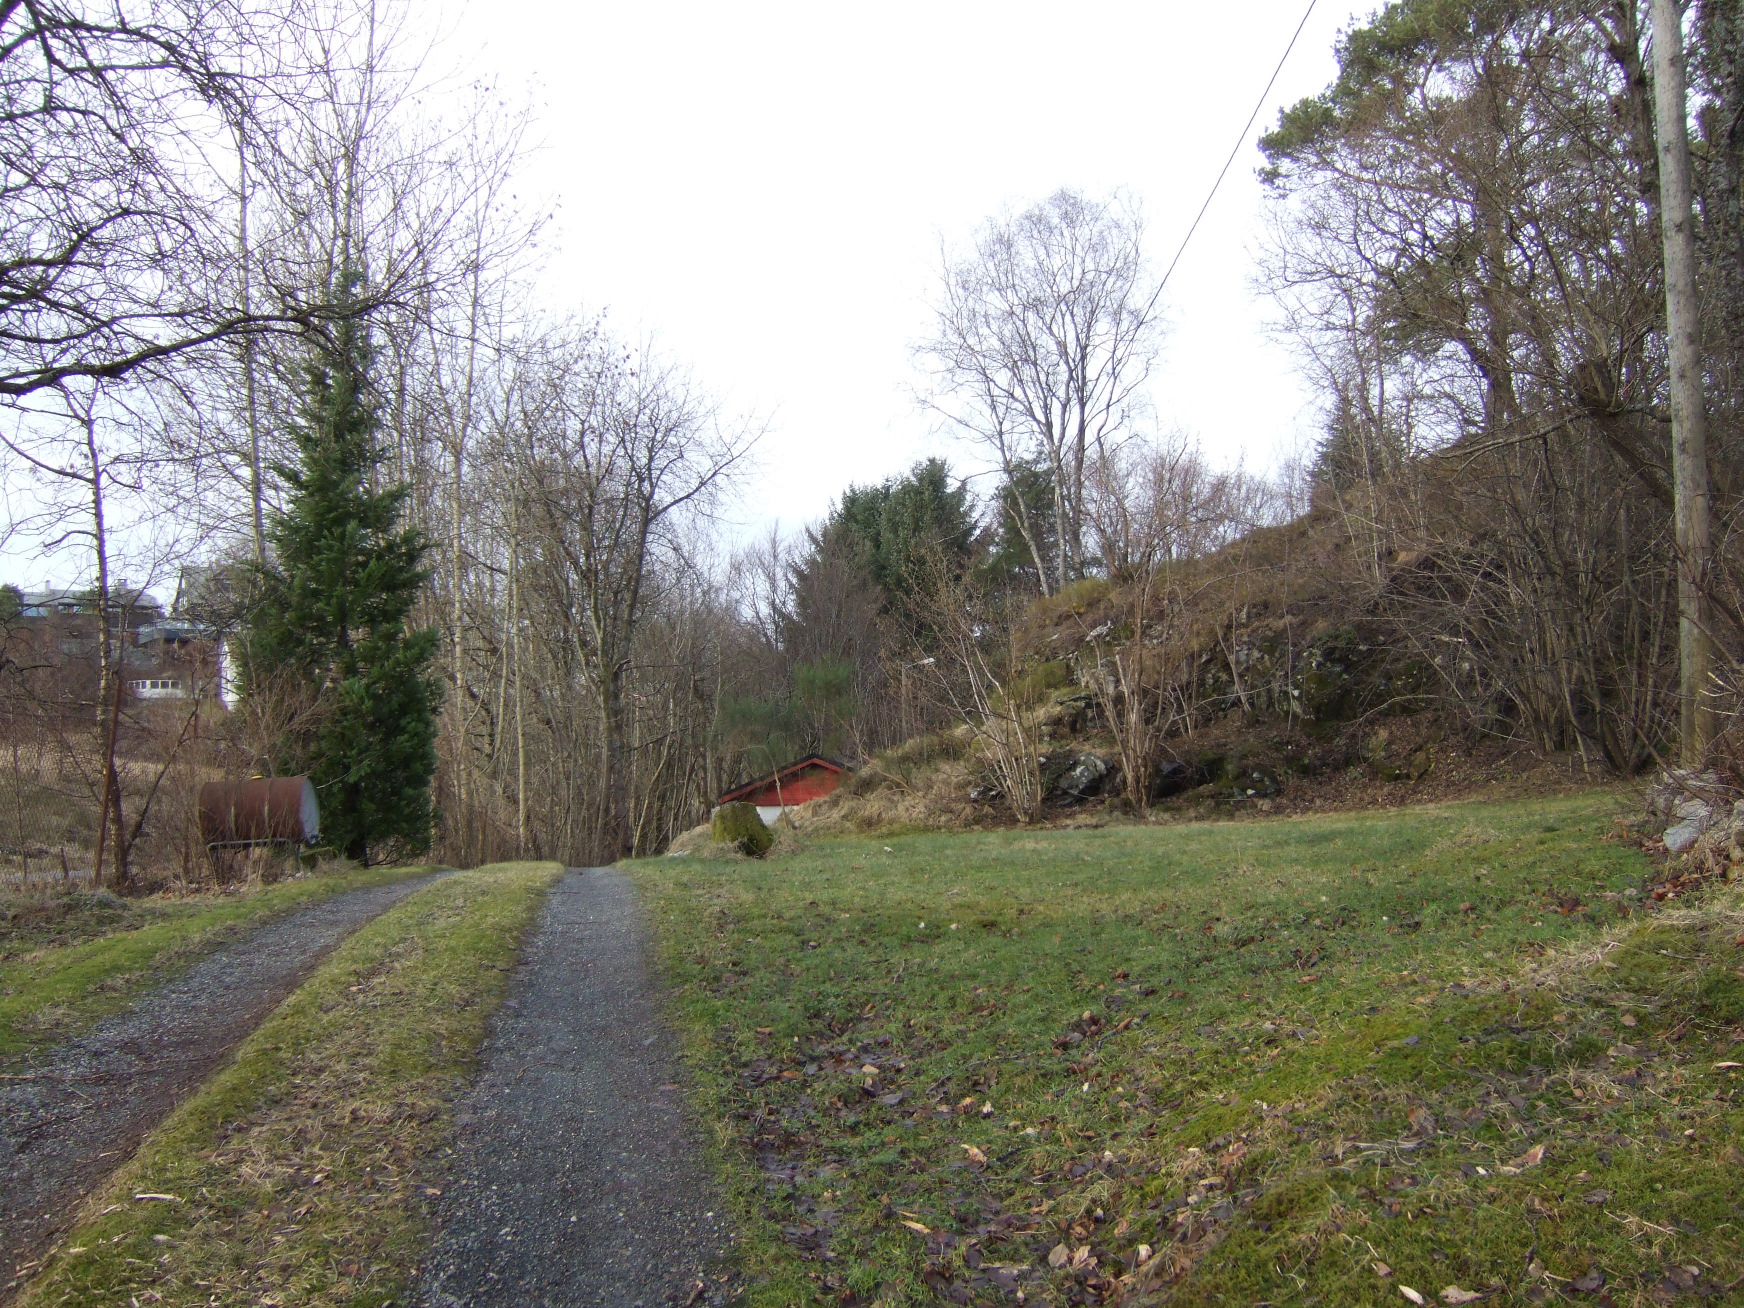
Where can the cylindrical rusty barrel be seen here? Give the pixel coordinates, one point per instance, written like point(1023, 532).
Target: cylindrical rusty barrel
point(263, 810)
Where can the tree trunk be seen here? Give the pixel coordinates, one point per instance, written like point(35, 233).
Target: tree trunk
point(251, 403)
point(1689, 447)
point(109, 808)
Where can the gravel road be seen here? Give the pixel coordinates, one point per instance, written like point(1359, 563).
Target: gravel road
point(575, 1178)
point(78, 1110)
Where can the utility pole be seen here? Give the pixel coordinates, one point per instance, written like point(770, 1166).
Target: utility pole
point(1689, 437)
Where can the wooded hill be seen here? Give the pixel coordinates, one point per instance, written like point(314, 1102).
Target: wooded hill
point(1466, 245)
point(1466, 249)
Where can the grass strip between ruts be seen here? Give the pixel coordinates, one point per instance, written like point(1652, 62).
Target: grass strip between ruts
point(289, 1178)
point(49, 994)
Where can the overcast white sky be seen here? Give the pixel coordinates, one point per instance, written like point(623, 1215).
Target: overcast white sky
point(765, 186)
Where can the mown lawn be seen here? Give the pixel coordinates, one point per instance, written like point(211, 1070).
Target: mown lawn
point(293, 1175)
point(67, 961)
point(1281, 1061)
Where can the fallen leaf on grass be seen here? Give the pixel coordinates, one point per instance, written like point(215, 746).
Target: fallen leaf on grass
point(1587, 1282)
point(1381, 1269)
point(1412, 1295)
point(918, 1226)
point(161, 1198)
point(1453, 1294)
point(1596, 1196)
point(975, 1155)
point(1531, 1158)
point(1059, 1255)
point(1628, 1019)
point(1729, 1064)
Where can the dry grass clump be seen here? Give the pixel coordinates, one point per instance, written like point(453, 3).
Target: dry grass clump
point(902, 766)
point(1662, 959)
point(907, 795)
point(699, 842)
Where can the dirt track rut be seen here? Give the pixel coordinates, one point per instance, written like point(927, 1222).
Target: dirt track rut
point(78, 1110)
point(576, 1179)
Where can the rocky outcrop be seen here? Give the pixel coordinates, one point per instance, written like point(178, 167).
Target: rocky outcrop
point(1703, 815)
point(1085, 778)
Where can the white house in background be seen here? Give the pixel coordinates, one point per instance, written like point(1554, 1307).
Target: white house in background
point(158, 688)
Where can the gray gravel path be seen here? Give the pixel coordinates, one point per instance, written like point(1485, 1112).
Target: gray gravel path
point(575, 1178)
point(78, 1110)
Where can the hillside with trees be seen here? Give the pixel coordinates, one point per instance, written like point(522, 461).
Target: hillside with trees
point(1466, 249)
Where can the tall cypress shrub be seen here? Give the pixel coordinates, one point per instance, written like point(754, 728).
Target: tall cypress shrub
point(330, 627)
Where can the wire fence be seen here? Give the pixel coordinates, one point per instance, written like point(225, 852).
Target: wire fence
point(48, 828)
point(51, 794)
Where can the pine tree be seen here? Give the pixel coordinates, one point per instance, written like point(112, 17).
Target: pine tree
point(331, 621)
point(899, 530)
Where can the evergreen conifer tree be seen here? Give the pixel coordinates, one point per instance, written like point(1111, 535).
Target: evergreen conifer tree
point(331, 621)
point(900, 529)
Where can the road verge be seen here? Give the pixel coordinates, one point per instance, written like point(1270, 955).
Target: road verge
point(290, 1177)
point(56, 983)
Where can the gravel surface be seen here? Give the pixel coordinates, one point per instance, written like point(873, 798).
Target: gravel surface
point(576, 1179)
point(78, 1110)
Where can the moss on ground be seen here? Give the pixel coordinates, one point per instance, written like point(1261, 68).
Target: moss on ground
point(1307, 1061)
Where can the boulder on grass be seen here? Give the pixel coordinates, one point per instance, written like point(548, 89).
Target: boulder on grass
point(740, 826)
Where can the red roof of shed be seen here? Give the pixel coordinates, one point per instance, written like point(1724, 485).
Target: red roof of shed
point(789, 783)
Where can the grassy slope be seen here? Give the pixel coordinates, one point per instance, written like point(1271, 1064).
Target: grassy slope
point(1332, 1062)
point(50, 990)
point(291, 1170)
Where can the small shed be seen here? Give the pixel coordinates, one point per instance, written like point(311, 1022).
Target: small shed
point(811, 777)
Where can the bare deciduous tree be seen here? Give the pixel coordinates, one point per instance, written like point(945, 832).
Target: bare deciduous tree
point(976, 673)
point(115, 255)
point(613, 452)
point(1044, 334)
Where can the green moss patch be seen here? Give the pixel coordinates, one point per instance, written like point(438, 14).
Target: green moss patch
point(740, 826)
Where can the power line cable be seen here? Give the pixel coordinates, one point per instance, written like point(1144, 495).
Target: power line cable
point(1239, 142)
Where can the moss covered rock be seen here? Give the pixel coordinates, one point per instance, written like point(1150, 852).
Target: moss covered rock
point(740, 826)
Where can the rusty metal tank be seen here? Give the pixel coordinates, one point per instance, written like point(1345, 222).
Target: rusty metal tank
point(260, 811)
